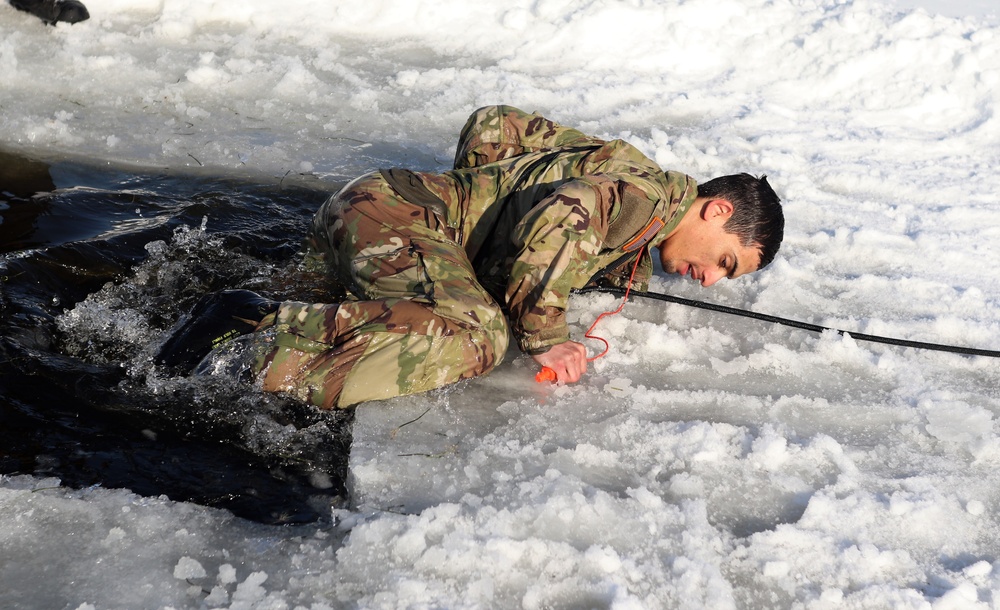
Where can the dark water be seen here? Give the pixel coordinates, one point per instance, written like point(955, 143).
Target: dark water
point(96, 265)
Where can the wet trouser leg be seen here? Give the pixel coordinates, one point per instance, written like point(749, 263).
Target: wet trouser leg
point(421, 320)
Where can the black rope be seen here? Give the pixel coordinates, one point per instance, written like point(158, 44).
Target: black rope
point(971, 351)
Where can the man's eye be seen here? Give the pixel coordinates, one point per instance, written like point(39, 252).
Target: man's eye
point(725, 265)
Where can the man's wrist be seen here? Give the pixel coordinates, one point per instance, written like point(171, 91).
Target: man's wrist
point(542, 341)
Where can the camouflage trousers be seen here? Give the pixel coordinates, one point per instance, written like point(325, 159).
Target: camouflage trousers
point(418, 319)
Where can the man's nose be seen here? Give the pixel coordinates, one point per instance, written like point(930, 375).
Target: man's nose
point(711, 277)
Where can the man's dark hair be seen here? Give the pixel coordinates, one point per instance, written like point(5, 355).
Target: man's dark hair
point(757, 217)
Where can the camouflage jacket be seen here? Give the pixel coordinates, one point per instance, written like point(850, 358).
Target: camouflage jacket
point(542, 209)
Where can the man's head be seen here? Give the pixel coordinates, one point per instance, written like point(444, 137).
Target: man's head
point(735, 227)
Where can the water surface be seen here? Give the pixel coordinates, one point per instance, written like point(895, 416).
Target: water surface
point(97, 264)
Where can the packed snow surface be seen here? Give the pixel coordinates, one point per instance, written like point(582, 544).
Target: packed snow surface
point(707, 461)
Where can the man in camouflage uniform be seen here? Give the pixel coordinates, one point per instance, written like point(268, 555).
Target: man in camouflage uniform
point(437, 263)
point(531, 211)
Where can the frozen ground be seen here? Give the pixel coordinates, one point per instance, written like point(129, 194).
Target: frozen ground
point(952, 8)
point(706, 462)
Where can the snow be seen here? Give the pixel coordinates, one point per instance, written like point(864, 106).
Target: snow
point(706, 461)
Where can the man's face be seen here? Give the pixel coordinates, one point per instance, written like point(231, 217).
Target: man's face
point(703, 250)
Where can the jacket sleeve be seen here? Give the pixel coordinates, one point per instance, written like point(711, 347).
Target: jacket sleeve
point(557, 248)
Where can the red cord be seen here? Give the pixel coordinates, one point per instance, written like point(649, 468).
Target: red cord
point(628, 288)
point(547, 374)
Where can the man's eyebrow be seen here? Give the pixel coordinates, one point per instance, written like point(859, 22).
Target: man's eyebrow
point(732, 270)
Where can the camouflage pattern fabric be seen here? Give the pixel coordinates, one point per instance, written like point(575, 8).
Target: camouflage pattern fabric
point(420, 320)
point(532, 211)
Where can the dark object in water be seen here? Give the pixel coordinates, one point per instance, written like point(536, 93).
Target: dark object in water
point(215, 319)
point(53, 11)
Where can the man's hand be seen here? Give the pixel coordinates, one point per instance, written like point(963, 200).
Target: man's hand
point(568, 360)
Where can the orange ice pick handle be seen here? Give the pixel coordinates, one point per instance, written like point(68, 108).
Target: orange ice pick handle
point(546, 374)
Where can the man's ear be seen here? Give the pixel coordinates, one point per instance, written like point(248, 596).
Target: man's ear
point(717, 209)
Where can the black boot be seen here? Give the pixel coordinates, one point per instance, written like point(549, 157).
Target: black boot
point(215, 319)
point(51, 11)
